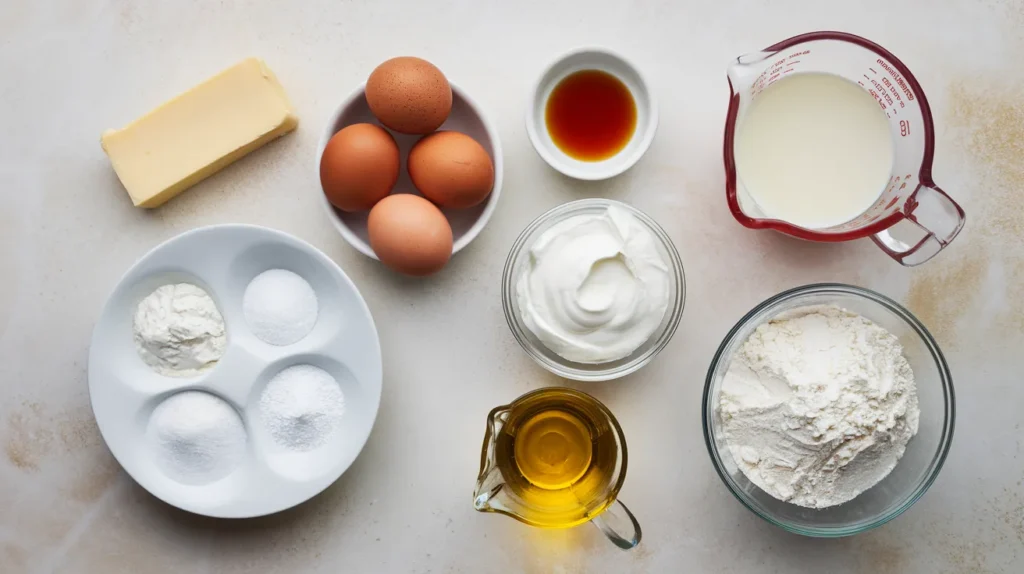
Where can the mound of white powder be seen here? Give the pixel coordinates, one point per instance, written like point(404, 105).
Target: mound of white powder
point(302, 407)
point(197, 437)
point(818, 405)
point(280, 307)
point(178, 330)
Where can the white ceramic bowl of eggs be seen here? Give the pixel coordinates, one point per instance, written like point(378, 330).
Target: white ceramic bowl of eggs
point(410, 167)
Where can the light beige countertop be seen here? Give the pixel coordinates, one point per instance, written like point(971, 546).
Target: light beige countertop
point(68, 231)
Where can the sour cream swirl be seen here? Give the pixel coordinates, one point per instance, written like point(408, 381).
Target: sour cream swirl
point(596, 286)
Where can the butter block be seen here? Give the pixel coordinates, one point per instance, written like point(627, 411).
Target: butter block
point(198, 133)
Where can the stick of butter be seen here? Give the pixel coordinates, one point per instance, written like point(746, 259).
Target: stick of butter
point(199, 132)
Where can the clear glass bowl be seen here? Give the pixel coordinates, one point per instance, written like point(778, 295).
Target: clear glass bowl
point(925, 453)
point(519, 256)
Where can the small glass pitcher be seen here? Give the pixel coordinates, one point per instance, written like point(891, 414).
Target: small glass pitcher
point(913, 219)
point(589, 495)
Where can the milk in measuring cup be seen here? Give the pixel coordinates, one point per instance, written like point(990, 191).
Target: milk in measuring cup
point(814, 150)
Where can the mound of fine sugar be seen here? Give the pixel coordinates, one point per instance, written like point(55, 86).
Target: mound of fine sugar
point(302, 407)
point(197, 437)
point(280, 307)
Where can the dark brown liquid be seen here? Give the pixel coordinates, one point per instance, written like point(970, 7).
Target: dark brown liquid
point(590, 115)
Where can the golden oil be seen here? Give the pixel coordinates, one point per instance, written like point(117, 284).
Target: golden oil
point(559, 455)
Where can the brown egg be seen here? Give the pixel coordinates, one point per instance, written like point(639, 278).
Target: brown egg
point(410, 235)
point(409, 95)
point(451, 169)
point(359, 167)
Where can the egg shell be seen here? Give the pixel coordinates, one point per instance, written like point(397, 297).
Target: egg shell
point(359, 167)
point(410, 235)
point(451, 169)
point(409, 95)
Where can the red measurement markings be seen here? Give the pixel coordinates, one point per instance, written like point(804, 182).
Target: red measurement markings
point(878, 98)
point(760, 81)
point(892, 90)
point(881, 90)
point(897, 78)
point(776, 71)
point(904, 128)
point(892, 185)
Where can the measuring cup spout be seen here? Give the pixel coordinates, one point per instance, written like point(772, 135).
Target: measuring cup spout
point(488, 486)
point(490, 482)
point(746, 68)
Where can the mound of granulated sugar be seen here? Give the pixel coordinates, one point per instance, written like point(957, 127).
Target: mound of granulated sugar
point(280, 307)
point(197, 437)
point(302, 407)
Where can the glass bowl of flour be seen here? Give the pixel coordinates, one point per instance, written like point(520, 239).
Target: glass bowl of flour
point(828, 410)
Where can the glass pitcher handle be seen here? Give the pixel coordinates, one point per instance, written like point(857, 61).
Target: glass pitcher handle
point(932, 220)
point(619, 525)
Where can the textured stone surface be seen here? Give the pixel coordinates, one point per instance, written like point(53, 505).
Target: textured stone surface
point(68, 231)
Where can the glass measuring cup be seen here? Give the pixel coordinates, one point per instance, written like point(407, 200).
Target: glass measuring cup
point(913, 219)
point(587, 493)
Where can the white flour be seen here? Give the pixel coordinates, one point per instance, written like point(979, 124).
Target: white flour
point(280, 307)
point(197, 437)
point(178, 330)
point(302, 407)
point(818, 405)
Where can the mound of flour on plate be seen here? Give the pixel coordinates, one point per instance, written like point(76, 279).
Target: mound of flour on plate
point(178, 330)
point(818, 405)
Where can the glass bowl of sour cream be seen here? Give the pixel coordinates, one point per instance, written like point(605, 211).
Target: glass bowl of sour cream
point(593, 289)
point(817, 448)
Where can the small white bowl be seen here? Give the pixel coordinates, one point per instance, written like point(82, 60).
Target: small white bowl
point(646, 114)
point(466, 117)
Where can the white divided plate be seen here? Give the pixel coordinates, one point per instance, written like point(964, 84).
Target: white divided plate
point(223, 259)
